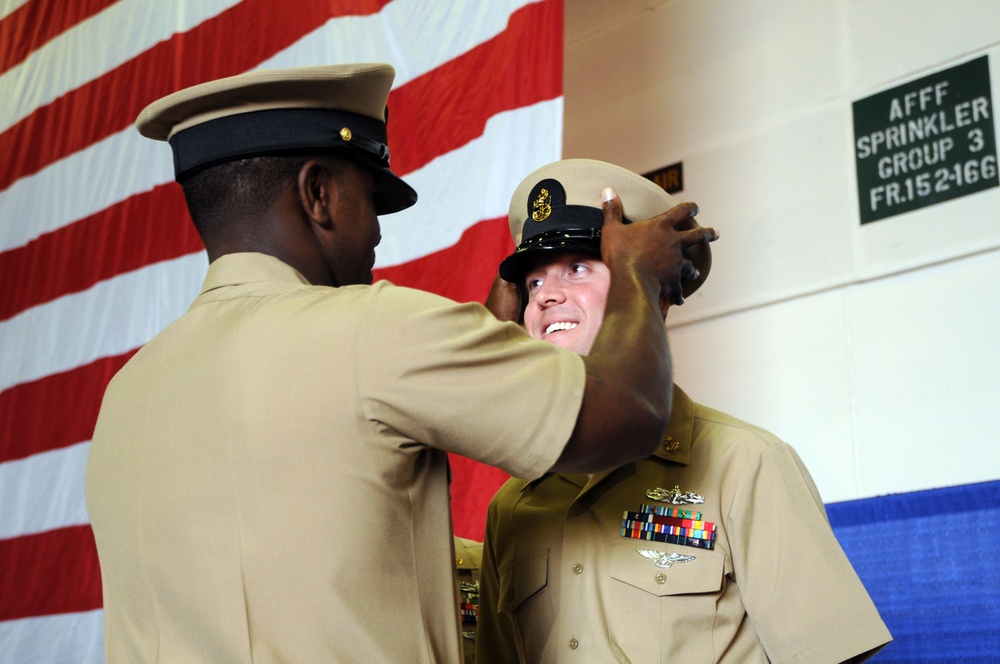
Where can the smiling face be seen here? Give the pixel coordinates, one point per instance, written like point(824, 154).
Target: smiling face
point(566, 299)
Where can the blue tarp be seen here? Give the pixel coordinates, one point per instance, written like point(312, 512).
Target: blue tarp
point(931, 563)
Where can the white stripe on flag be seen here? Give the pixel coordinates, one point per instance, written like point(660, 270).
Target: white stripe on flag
point(109, 39)
point(111, 318)
point(43, 492)
point(106, 173)
point(402, 35)
point(68, 637)
point(470, 184)
point(7, 7)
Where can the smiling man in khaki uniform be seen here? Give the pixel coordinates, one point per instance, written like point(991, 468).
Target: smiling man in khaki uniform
point(713, 549)
point(268, 478)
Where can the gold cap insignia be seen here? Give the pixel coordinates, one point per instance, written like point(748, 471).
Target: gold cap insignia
point(346, 134)
point(542, 206)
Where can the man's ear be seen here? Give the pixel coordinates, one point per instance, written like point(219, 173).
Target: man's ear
point(316, 189)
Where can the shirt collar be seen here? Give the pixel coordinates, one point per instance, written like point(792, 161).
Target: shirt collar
point(246, 268)
point(675, 447)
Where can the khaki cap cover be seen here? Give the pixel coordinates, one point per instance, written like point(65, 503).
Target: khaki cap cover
point(558, 208)
point(275, 111)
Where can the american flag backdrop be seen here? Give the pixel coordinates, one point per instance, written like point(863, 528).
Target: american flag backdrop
point(97, 253)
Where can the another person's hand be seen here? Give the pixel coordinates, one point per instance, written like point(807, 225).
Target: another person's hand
point(655, 246)
point(504, 301)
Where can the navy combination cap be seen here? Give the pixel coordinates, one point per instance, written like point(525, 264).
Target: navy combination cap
point(283, 111)
point(558, 208)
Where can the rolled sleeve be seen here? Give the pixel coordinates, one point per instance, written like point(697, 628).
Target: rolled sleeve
point(453, 377)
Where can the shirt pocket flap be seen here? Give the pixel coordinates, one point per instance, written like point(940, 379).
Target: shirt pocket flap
point(664, 569)
point(525, 577)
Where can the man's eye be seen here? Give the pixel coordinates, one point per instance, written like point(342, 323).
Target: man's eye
point(578, 267)
point(533, 284)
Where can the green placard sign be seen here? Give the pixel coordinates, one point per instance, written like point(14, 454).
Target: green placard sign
point(926, 141)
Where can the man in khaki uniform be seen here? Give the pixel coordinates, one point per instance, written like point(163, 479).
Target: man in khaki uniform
point(468, 560)
point(268, 476)
point(715, 548)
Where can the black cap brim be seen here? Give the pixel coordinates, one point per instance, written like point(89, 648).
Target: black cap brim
point(392, 193)
point(515, 267)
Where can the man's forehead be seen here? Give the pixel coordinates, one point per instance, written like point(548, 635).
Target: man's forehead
point(544, 260)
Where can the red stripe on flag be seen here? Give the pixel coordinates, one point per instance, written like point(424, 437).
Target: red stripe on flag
point(48, 573)
point(467, 91)
point(111, 102)
point(37, 22)
point(472, 485)
point(463, 272)
point(144, 229)
point(56, 411)
point(111, 242)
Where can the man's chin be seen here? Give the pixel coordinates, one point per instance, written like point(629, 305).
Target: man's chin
point(569, 342)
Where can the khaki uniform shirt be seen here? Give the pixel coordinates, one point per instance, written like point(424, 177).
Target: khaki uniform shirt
point(560, 583)
point(468, 560)
point(268, 478)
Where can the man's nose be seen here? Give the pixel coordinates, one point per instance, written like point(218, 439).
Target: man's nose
point(551, 291)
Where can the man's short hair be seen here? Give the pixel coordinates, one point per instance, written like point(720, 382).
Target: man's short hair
point(243, 188)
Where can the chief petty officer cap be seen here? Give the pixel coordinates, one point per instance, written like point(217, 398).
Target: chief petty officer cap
point(558, 208)
point(281, 111)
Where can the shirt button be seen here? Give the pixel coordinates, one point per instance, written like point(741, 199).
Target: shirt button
point(661, 579)
point(573, 644)
point(586, 501)
point(510, 594)
point(578, 568)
